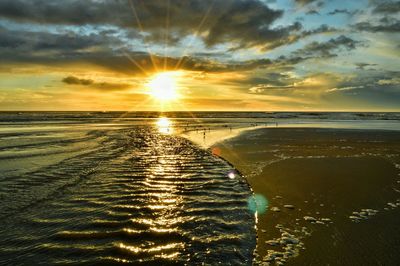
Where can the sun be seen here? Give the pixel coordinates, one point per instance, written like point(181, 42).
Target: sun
point(164, 86)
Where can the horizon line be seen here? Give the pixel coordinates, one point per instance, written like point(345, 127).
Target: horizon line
point(204, 111)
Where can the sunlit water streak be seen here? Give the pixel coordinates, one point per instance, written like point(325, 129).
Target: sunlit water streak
point(116, 196)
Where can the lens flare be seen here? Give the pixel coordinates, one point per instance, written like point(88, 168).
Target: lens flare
point(257, 203)
point(232, 174)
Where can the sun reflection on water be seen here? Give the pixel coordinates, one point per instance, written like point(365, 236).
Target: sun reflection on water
point(164, 125)
point(162, 200)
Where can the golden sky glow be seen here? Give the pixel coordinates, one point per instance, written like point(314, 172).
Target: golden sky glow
point(201, 55)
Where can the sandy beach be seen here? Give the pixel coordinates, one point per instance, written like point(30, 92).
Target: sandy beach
point(333, 194)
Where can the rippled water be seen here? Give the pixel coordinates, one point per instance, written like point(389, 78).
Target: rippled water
point(70, 195)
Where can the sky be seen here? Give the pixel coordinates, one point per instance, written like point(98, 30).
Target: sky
point(224, 55)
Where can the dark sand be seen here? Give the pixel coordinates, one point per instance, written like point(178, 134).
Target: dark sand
point(326, 174)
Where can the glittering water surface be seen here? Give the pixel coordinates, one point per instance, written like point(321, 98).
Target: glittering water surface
point(112, 195)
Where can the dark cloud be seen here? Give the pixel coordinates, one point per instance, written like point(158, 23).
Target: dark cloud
point(389, 7)
point(384, 26)
point(247, 23)
point(71, 80)
point(104, 86)
point(341, 11)
point(327, 49)
point(270, 39)
point(312, 12)
point(315, 50)
point(286, 39)
point(29, 41)
point(108, 53)
point(269, 80)
point(373, 79)
point(363, 66)
point(198, 64)
point(321, 29)
point(73, 12)
point(383, 17)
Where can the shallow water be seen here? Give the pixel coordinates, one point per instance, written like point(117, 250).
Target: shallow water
point(118, 195)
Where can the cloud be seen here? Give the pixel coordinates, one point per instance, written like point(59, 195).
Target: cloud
point(312, 12)
point(74, 12)
point(344, 89)
point(104, 86)
point(373, 80)
point(383, 17)
point(373, 89)
point(287, 84)
point(99, 39)
point(104, 52)
point(67, 42)
point(241, 24)
point(341, 11)
point(363, 66)
point(321, 29)
point(389, 7)
point(71, 80)
point(392, 81)
point(328, 48)
point(247, 23)
point(286, 38)
point(263, 87)
point(383, 26)
point(257, 89)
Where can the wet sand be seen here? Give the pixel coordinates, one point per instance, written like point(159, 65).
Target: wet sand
point(334, 194)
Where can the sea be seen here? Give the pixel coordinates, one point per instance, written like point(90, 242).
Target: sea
point(115, 188)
